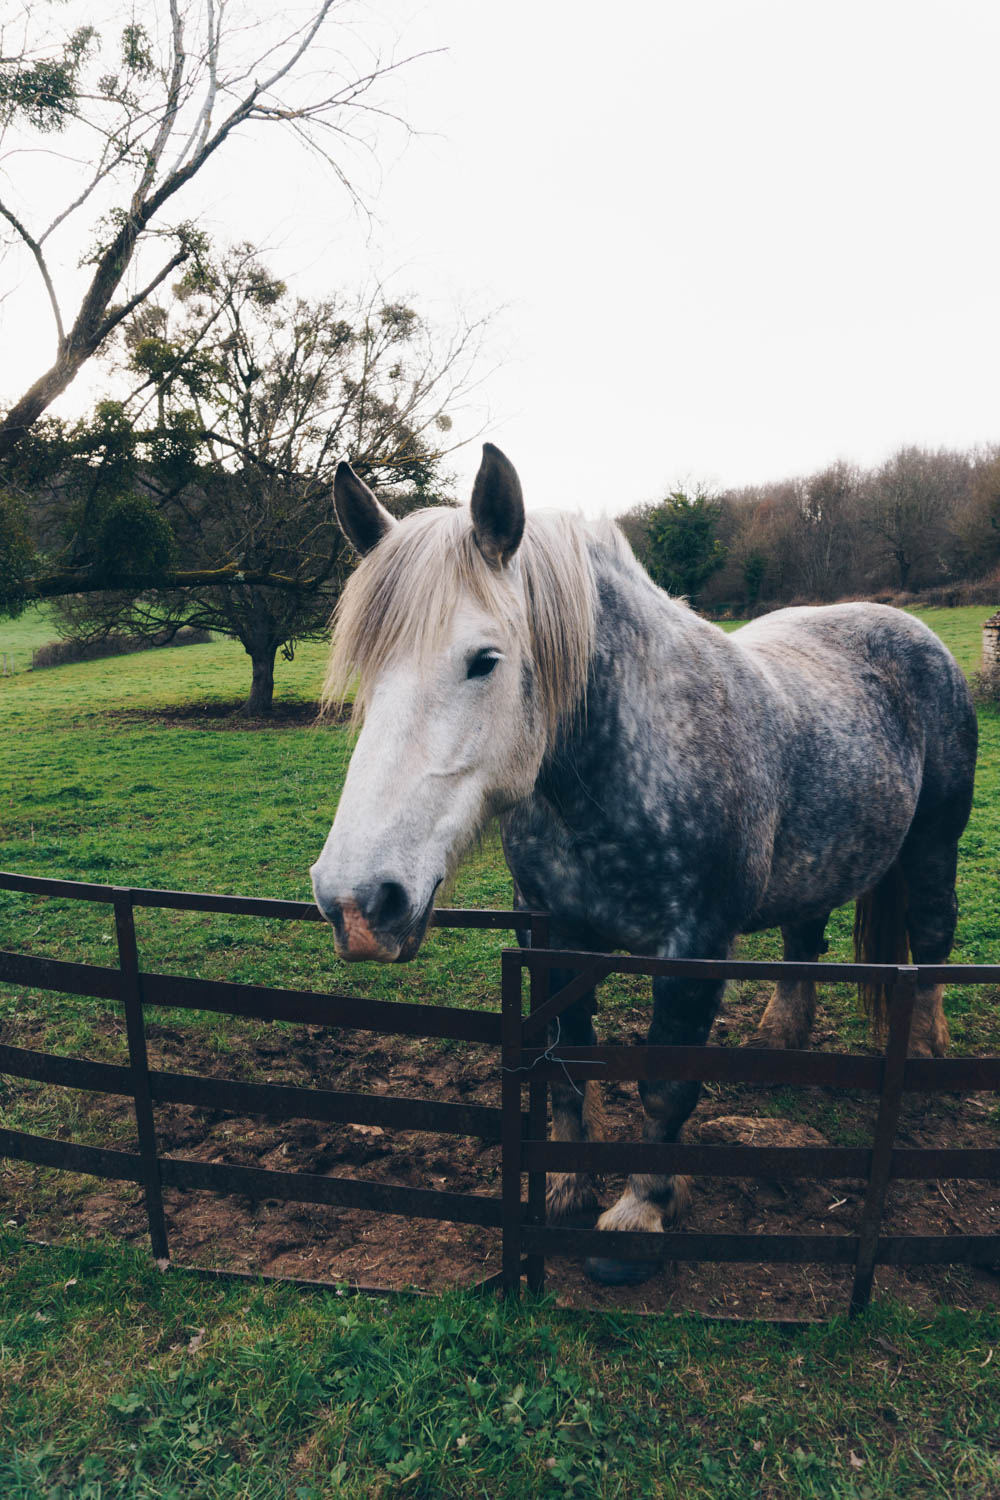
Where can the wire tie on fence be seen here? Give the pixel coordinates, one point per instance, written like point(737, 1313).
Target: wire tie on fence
point(549, 1055)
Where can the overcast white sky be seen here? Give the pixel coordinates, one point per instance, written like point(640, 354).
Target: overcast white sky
point(733, 241)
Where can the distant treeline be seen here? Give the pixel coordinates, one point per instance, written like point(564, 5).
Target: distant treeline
point(922, 524)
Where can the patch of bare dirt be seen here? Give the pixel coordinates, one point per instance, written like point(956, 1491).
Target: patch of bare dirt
point(226, 714)
point(324, 1243)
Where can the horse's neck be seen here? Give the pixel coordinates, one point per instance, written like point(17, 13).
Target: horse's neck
point(653, 659)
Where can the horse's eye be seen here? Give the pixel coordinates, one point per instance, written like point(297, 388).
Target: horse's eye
point(482, 663)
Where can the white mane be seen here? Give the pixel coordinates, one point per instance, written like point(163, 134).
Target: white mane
point(404, 592)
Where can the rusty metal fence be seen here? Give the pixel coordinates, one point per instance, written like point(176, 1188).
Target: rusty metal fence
point(526, 1063)
point(135, 989)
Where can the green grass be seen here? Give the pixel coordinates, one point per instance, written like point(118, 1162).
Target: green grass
point(90, 796)
point(88, 792)
point(20, 637)
point(117, 1381)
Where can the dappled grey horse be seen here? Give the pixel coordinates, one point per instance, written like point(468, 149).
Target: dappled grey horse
point(662, 786)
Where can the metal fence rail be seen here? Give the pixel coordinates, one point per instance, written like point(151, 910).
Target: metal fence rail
point(889, 1077)
point(525, 1063)
point(136, 989)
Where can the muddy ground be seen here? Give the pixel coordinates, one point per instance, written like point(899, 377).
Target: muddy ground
point(228, 714)
point(302, 1240)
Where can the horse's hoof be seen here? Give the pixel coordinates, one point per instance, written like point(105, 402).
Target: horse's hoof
point(584, 1218)
point(772, 1041)
point(619, 1272)
point(924, 1047)
point(570, 1201)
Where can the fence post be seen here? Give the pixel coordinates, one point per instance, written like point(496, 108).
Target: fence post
point(538, 1092)
point(510, 1130)
point(128, 960)
point(900, 1018)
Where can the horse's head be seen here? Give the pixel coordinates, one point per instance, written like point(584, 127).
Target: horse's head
point(458, 687)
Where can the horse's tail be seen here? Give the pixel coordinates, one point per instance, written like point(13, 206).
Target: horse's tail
point(880, 938)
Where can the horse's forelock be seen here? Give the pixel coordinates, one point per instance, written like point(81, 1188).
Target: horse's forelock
point(403, 594)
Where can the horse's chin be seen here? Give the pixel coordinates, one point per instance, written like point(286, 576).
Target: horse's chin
point(371, 954)
point(410, 946)
point(409, 950)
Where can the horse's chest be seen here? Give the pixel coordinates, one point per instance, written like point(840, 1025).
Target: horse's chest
point(622, 885)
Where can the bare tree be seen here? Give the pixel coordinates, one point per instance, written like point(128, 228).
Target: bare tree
point(144, 111)
point(826, 533)
point(759, 527)
point(920, 519)
point(976, 523)
point(907, 508)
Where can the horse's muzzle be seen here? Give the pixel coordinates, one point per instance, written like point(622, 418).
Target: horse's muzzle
point(376, 925)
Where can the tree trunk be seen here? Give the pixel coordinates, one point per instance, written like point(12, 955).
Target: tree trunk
point(262, 686)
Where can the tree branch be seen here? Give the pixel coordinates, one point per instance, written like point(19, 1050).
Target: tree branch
point(118, 314)
point(53, 585)
point(36, 251)
point(92, 322)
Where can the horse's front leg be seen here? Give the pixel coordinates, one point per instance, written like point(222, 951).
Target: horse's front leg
point(577, 1108)
point(683, 1012)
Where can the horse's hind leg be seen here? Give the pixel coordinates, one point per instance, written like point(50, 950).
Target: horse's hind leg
point(788, 1019)
point(683, 1012)
point(577, 1110)
point(928, 863)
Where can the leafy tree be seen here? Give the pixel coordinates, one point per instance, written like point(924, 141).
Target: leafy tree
point(754, 573)
point(17, 554)
point(146, 108)
point(206, 498)
point(684, 549)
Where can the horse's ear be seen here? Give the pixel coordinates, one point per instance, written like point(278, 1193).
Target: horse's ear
point(497, 508)
point(362, 519)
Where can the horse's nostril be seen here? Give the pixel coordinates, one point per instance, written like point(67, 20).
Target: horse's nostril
point(332, 912)
point(390, 907)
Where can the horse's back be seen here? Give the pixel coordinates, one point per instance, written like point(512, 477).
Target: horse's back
point(861, 631)
point(871, 653)
point(877, 732)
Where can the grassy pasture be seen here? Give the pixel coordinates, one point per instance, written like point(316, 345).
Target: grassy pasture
point(122, 1384)
point(20, 637)
point(108, 1388)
